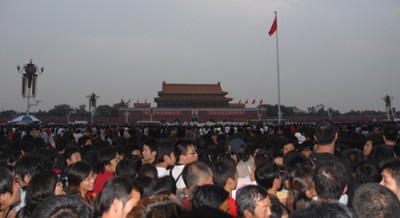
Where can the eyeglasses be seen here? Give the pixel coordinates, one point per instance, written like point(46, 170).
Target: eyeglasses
point(192, 153)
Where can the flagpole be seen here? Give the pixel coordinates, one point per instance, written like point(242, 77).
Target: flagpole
point(277, 64)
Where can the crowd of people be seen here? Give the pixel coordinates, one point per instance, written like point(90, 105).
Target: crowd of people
point(294, 170)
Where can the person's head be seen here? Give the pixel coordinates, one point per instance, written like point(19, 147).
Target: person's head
point(367, 172)
point(252, 201)
point(28, 166)
point(72, 155)
point(166, 153)
point(330, 179)
point(325, 210)
point(119, 196)
point(43, 185)
point(148, 170)
point(325, 132)
point(9, 191)
point(267, 176)
point(390, 134)
point(374, 200)
point(81, 178)
point(391, 175)
point(107, 160)
point(225, 174)
point(239, 150)
point(62, 206)
point(129, 167)
point(278, 210)
point(295, 159)
point(196, 174)
point(210, 196)
point(186, 152)
point(165, 185)
point(149, 151)
point(157, 206)
point(352, 158)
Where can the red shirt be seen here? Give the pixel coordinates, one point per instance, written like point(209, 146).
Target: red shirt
point(232, 206)
point(101, 179)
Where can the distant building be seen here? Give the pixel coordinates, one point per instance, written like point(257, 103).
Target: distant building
point(192, 96)
point(192, 102)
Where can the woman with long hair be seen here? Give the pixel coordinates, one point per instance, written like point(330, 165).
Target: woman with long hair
point(81, 178)
point(43, 185)
point(9, 192)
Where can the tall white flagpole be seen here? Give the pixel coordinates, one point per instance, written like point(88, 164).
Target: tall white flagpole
point(277, 64)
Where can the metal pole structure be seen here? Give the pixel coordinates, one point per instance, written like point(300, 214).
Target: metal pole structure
point(92, 105)
point(277, 64)
point(29, 82)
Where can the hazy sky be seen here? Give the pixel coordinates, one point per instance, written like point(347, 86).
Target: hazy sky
point(343, 54)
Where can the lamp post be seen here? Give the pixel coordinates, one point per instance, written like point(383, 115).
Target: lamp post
point(92, 104)
point(388, 105)
point(29, 72)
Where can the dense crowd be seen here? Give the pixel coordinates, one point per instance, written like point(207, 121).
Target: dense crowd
point(253, 171)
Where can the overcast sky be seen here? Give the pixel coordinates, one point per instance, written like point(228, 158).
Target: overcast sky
point(343, 54)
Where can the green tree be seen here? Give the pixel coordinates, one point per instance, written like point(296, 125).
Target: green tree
point(60, 110)
point(106, 111)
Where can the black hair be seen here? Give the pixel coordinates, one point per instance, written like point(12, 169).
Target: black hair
point(31, 164)
point(158, 206)
point(277, 208)
point(266, 173)
point(206, 212)
point(367, 172)
point(325, 132)
point(41, 186)
point(295, 159)
point(63, 206)
point(391, 132)
point(115, 188)
point(165, 147)
point(104, 157)
point(165, 185)
point(261, 156)
point(147, 185)
point(352, 158)
point(70, 151)
point(148, 170)
point(6, 181)
point(181, 147)
point(208, 196)
point(247, 197)
point(324, 210)
point(374, 200)
point(77, 172)
point(393, 166)
point(330, 179)
point(223, 170)
point(129, 167)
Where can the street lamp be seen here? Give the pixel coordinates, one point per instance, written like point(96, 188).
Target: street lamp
point(92, 104)
point(29, 82)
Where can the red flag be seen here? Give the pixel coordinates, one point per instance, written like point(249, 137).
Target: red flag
point(274, 27)
point(129, 101)
point(240, 101)
point(254, 101)
point(261, 101)
point(247, 101)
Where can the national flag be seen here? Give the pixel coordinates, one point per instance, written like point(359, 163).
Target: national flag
point(254, 101)
point(129, 101)
point(261, 101)
point(240, 101)
point(274, 26)
point(247, 101)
